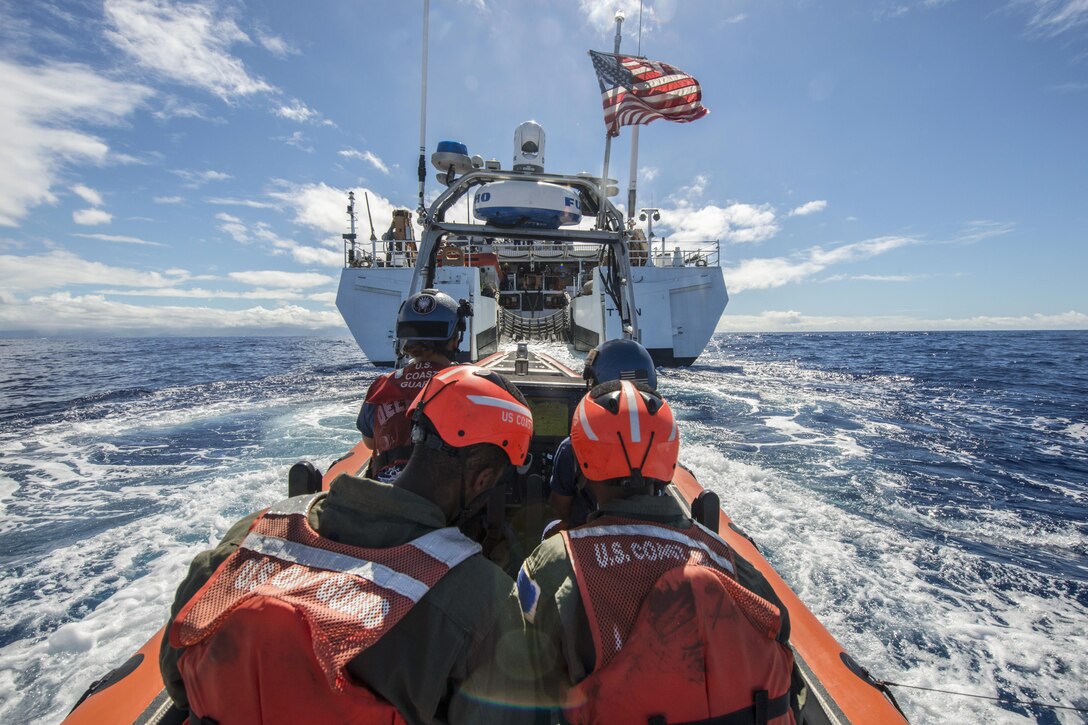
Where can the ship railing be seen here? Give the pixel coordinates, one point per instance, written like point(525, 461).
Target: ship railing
point(391, 253)
point(669, 253)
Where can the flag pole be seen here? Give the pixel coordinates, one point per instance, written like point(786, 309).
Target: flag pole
point(633, 174)
point(423, 108)
point(602, 191)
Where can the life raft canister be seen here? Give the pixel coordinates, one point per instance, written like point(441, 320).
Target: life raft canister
point(677, 638)
point(391, 394)
point(268, 635)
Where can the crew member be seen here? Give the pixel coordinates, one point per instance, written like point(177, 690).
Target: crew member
point(642, 615)
point(430, 326)
point(611, 360)
point(365, 603)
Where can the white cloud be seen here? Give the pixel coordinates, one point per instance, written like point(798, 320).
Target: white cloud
point(63, 312)
point(368, 156)
point(91, 217)
point(690, 220)
point(686, 195)
point(87, 194)
point(186, 43)
point(252, 204)
point(168, 200)
point(601, 14)
point(65, 268)
point(316, 255)
point(794, 321)
point(875, 277)
point(174, 107)
point(766, 273)
point(196, 179)
point(1071, 87)
point(1050, 18)
point(275, 244)
point(274, 44)
point(738, 223)
point(279, 295)
point(322, 206)
point(120, 239)
point(233, 226)
point(979, 229)
point(299, 112)
point(297, 140)
point(39, 110)
point(811, 207)
point(648, 173)
point(275, 278)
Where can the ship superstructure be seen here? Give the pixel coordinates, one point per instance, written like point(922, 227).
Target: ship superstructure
point(530, 266)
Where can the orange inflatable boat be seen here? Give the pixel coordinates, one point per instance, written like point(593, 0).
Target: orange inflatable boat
point(838, 690)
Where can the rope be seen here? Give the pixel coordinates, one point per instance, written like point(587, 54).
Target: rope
point(1004, 700)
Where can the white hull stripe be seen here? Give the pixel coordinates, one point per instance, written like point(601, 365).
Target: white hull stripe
point(499, 403)
point(653, 532)
point(442, 547)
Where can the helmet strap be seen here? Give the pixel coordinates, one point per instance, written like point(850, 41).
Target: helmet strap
point(636, 479)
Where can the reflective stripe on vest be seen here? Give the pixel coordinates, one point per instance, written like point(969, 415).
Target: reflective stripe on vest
point(349, 596)
point(659, 532)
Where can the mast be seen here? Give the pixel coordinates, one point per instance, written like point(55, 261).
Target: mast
point(633, 174)
point(373, 239)
point(350, 236)
point(423, 107)
point(608, 137)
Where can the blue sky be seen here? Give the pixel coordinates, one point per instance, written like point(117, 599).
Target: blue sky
point(171, 167)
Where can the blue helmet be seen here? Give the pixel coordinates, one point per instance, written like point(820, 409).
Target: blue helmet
point(431, 316)
point(619, 360)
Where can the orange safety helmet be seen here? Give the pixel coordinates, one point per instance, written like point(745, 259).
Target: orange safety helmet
point(467, 405)
point(625, 431)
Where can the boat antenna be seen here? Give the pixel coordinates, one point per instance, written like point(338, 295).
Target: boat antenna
point(373, 239)
point(633, 173)
point(603, 190)
point(423, 108)
point(369, 218)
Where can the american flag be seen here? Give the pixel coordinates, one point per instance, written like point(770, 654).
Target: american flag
point(637, 90)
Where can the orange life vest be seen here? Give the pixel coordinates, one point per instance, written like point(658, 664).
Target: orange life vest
point(268, 635)
point(676, 637)
point(391, 394)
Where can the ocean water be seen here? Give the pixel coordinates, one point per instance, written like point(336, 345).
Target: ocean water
point(926, 494)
